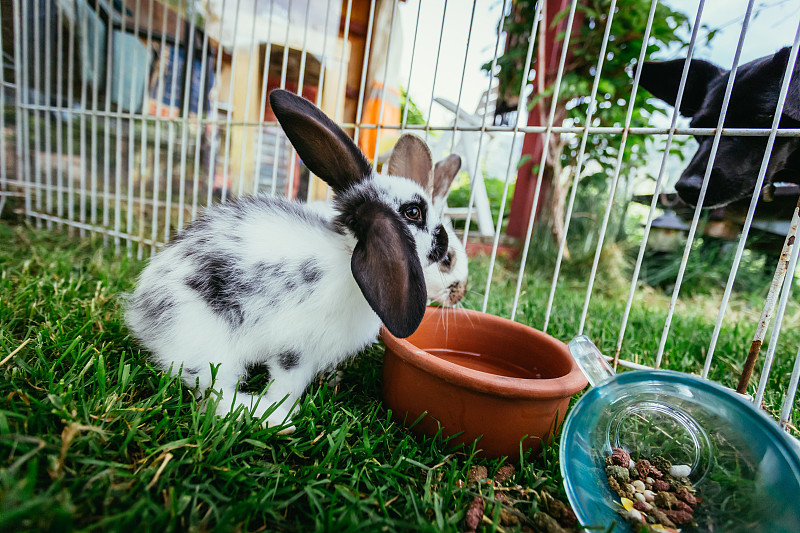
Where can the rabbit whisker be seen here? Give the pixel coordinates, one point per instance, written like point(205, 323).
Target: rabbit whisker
point(469, 318)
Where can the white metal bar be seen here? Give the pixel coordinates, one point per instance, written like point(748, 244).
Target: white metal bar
point(37, 116)
point(300, 81)
point(48, 148)
point(132, 138)
point(320, 84)
point(476, 167)
point(617, 169)
point(545, 144)
point(162, 52)
point(227, 147)
point(171, 135)
point(284, 64)
point(94, 229)
point(659, 180)
point(404, 118)
point(711, 156)
point(59, 113)
point(360, 106)
point(282, 85)
point(252, 63)
point(16, 18)
point(762, 172)
point(107, 123)
point(263, 100)
point(791, 393)
point(212, 153)
point(70, 127)
point(24, 88)
point(597, 130)
point(630, 364)
point(523, 83)
point(463, 72)
point(118, 135)
point(579, 169)
point(201, 111)
point(187, 98)
point(3, 162)
point(145, 127)
point(386, 74)
point(110, 196)
point(93, 173)
point(786, 291)
point(435, 70)
point(342, 77)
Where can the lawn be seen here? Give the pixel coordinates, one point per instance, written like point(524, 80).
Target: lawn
point(94, 438)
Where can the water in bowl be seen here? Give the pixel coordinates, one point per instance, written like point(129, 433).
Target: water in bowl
point(485, 363)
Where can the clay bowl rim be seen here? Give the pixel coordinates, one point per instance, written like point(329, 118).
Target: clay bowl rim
point(504, 386)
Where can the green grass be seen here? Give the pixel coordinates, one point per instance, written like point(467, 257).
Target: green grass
point(94, 438)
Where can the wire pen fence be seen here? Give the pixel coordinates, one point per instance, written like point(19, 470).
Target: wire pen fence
point(123, 119)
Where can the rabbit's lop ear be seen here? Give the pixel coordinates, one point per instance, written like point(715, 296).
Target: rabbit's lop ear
point(387, 269)
point(325, 149)
point(411, 158)
point(444, 173)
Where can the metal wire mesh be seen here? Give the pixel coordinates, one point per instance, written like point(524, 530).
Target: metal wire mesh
point(128, 119)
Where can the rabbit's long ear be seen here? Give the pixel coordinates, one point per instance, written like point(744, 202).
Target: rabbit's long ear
point(325, 149)
point(444, 173)
point(386, 267)
point(411, 158)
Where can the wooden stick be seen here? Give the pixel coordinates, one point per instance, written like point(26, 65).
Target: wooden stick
point(770, 303)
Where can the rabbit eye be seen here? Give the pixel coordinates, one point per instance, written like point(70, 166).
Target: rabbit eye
point(413, 212)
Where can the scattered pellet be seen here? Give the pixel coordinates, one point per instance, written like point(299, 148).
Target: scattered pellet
point(477, 473)
point(620, 457)
point(660, 485)
point(680, 470)
point(504, 473)
point(679, 517)
point(683, 494)
point(666, 500)
point(618, 473)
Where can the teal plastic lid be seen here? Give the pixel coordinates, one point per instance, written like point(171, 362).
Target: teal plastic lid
point(743, 465)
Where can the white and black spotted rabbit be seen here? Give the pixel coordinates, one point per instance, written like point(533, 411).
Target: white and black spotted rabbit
point(265, 281)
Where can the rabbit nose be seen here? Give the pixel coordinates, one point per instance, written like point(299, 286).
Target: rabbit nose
point(457, 291)
point(440, 242)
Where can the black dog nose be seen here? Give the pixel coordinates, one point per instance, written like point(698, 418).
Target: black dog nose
point(688, 188)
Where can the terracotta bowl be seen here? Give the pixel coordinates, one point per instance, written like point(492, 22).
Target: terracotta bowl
point(479, 375)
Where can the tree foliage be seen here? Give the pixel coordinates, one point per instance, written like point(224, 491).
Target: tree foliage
point(668, 36)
